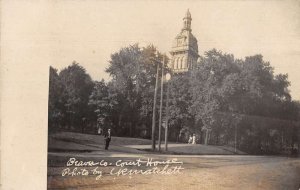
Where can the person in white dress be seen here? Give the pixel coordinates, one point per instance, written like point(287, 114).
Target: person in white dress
point(194, 139)
point(190, 139)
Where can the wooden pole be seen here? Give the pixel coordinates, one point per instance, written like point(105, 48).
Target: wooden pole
point(154, 108)
point(161, 103)
point(167, 118)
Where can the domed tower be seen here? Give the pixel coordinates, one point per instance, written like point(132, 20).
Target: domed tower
point(185, 48)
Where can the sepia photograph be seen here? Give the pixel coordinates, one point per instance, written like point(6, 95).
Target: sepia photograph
point(194, 95)
point(172, 95)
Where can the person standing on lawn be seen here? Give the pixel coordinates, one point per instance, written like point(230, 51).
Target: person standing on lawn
point(190, 139)
point(107, 138)
point(194, 139)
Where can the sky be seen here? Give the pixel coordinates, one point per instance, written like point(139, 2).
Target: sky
point(88, 32)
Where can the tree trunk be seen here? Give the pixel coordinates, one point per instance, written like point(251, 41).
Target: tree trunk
point(206, 137)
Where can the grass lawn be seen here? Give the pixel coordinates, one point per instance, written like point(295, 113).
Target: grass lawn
point(78, 142)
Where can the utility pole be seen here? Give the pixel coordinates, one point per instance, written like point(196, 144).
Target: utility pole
point(154, 107)
point(161, 103)
point(167, 118)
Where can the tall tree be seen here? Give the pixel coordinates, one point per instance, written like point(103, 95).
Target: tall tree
point(181, 120)
point(105, 104)
point(78, 86)
point(55, 102)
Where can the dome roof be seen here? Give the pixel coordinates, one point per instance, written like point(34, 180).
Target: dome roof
point(185, 40)
point(189, 40)
point(186, 34)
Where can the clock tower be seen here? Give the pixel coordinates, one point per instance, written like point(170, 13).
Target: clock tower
point(185, 48)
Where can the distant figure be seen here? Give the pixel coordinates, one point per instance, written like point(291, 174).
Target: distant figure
point(190, 139)
point(107, 138)
point(194, 139)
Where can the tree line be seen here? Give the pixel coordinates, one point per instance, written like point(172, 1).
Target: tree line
point(223, 100)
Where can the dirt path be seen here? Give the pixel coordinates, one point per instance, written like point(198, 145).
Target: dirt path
point(216, 172)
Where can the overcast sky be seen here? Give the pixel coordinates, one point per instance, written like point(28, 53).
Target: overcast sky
point(89, 31)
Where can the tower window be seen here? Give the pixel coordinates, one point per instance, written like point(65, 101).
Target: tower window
point(177, 64)
point(181, 64)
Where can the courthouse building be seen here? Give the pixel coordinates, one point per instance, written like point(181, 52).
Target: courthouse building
point(185, 48)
